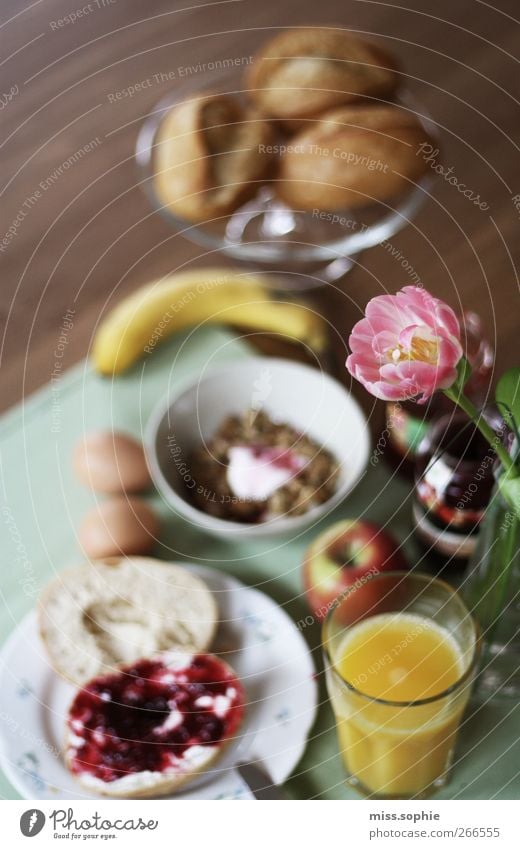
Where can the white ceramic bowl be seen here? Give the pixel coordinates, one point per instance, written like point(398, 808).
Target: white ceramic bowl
point(291, 393)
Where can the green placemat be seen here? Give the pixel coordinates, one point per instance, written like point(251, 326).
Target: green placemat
point(41, 503)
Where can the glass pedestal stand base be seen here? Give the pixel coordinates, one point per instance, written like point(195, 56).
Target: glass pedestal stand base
point(296, 249)
point(292, 280)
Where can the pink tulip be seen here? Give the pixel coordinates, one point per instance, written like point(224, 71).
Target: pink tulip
point(407, 346)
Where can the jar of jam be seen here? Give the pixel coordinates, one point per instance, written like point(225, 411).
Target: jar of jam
point(407, 422)
point(453, 483)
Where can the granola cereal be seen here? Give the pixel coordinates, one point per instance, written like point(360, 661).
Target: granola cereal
point(253, 469)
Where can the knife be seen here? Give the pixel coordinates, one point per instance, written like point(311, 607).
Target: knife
point(260, 782)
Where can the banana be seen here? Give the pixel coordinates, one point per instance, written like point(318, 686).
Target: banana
point(186, 299)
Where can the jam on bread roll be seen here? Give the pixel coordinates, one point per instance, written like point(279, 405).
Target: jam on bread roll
point(152, 726)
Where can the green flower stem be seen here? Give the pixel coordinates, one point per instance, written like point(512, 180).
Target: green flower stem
point(511, 534)
point(486, 430)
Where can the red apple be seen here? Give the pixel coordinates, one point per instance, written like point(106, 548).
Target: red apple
point(341, 556)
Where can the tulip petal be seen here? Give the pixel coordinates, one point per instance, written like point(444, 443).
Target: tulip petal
point(407, 346)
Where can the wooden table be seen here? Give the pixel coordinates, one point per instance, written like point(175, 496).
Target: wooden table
point(89, 236)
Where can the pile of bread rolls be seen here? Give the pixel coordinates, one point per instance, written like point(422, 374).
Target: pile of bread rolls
point(319, 125)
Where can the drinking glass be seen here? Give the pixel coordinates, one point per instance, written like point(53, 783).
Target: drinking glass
point(399, 749)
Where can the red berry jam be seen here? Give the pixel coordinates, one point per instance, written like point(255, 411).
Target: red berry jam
point(151, 715)
point(280, 458)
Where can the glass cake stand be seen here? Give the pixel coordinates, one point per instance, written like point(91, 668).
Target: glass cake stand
point(299, 250)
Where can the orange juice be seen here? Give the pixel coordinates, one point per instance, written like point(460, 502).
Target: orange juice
point(391, 744)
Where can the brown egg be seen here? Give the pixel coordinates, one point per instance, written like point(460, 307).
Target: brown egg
point(118, 526)
point(111, 462)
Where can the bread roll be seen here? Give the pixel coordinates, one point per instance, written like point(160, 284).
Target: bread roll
point(104, 613)
point(210, 157)
point(352, 157)
point(303, 72)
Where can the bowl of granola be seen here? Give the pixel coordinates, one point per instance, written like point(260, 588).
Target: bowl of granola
point(258, 447)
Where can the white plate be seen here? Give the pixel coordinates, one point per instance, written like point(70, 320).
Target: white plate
point(258, 638)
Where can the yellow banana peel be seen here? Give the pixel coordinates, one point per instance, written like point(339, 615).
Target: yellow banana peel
point(191, 298)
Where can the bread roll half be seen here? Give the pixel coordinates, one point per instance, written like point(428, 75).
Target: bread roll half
point(113, 611)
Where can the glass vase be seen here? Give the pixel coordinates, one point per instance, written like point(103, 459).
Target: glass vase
point(491, 589)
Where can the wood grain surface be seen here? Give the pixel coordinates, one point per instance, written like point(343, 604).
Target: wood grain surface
point(91, 236)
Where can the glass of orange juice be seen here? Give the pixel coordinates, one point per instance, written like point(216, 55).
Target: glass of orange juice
point(401, 651)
